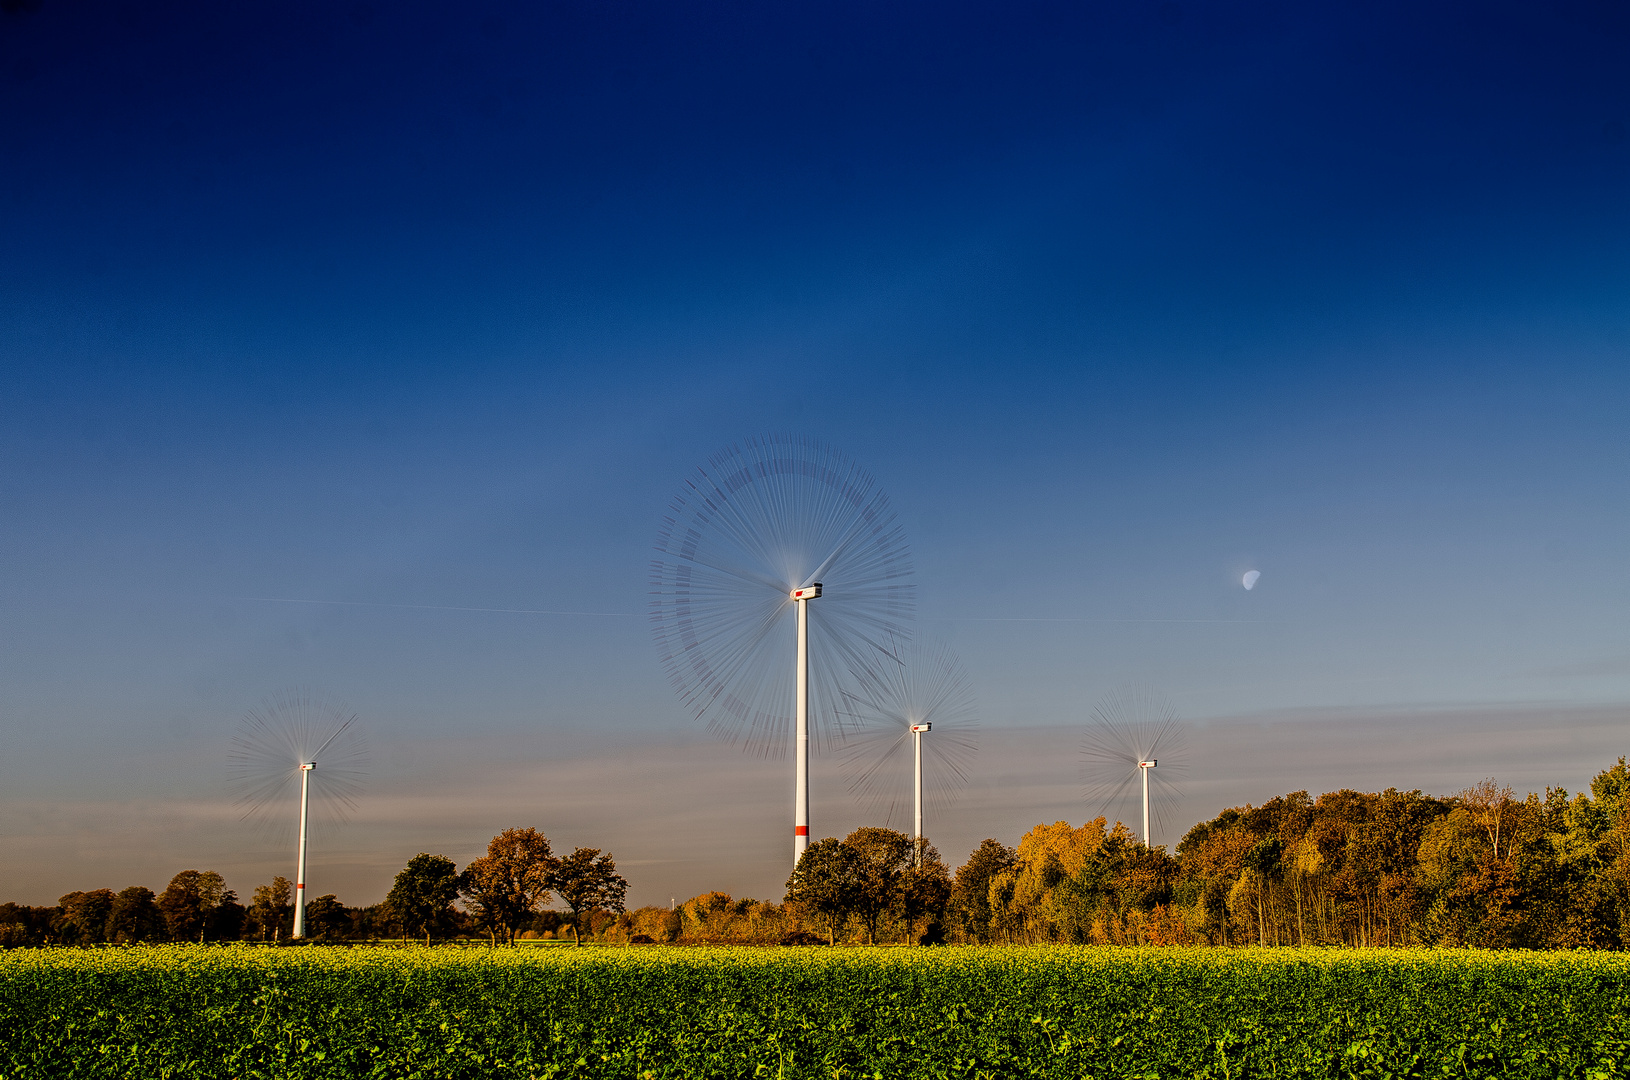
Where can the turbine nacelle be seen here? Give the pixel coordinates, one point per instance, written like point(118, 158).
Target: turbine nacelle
point(922, 727)
point(1151, 763)
point(808, 592)
point(307, 766)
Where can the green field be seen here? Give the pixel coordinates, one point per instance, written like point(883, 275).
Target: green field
point(738, 1012)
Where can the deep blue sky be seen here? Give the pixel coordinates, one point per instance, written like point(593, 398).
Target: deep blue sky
point(387, 304)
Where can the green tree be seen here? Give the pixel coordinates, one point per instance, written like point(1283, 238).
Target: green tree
point(823, 882)
point(424, 889)
point(510, 882)
point(970, 893)
point(327, 919)
point(188, 901)
point(225, 921)
point(925, 892)
point(379, 921)
point(880, 858)
point(135, 916)
point(271, 908)
point(27, 925)
point(84, 918)
point(587, 881)
point(1609, 870)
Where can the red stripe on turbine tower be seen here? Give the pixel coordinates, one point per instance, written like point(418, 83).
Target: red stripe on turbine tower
point(800, 830)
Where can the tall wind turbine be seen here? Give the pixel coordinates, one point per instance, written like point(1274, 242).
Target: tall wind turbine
point(762, 531)
point(284, 739)
point(1134, 737)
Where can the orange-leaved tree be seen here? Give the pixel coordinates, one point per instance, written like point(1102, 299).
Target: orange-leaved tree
point(504, 887)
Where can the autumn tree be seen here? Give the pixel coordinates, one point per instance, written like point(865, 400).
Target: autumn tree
point(587, 881)
point(1489, 804)
point(710, 915)
point(1212, 855)
point(422, 892)
point(505, 886)
point(1042, 895)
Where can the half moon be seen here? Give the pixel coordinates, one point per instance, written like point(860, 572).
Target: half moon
point(1249, 580)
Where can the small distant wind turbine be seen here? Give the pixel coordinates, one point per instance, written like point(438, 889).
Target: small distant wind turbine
point(1134, 732)
point(915, 689)
point(286, 738)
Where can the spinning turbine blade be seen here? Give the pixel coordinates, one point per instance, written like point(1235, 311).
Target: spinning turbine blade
point(755, 523)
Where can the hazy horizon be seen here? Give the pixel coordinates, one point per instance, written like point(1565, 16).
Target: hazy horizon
point(722, 821)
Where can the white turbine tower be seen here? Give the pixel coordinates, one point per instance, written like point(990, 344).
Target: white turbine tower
point(800, 787)
point(916, 690)
point(1134, 735)
point(917, 733)
point(300, 859)
point(1143, 769)
point(769, 525)
point(285, 739)
point(306, 768)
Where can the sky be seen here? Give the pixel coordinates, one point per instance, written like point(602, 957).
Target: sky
point(348, 346)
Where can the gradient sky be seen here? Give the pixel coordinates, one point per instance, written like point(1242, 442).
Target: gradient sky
point(399, 309)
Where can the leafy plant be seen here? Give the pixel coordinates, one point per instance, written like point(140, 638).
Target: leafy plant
point(1052, 1011)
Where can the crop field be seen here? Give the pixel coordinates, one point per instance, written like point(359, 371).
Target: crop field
point(227, 1011)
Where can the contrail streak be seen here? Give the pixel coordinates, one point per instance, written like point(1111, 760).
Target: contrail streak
point(438, 607)
point(979, 618)
point(636, 615)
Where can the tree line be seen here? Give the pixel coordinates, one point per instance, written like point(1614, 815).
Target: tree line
point(501, 895)
point(1481, 867)
point(504, 891)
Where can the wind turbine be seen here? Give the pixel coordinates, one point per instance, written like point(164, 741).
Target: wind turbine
point(916, 689)
point(284, 739)
point(767, 526)
point(1132, 731)
point(306, 769)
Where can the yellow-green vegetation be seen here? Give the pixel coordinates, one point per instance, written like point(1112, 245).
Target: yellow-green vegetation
point(206, 1011)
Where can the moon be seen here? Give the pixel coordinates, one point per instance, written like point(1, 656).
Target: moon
point(1249, 580)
